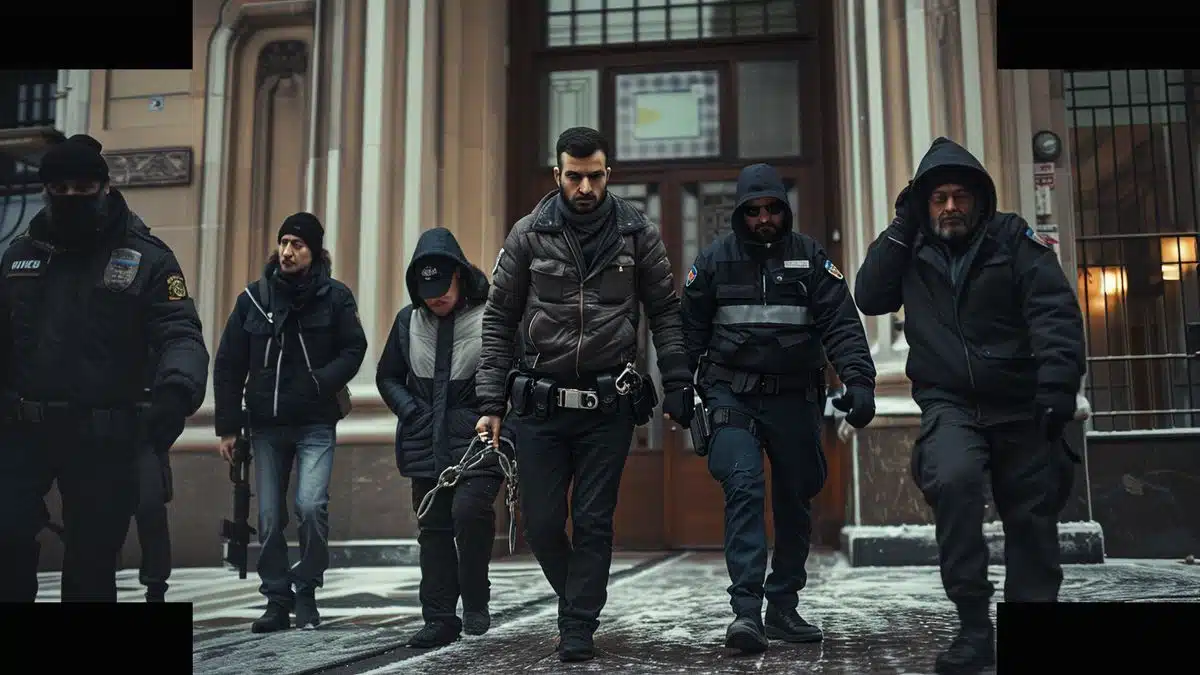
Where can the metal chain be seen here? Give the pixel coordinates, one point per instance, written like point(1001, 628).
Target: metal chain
point(476, 453)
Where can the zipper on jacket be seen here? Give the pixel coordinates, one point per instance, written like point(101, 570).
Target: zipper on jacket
point(966, 351)
point(307, 361)
point(278, 369)
point(579, 344)
point(763, 271)
point(267, 354)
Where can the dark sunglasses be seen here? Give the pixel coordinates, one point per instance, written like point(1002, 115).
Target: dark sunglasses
point(774, 208)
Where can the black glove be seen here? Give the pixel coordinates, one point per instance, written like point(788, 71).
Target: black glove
point(902, 222)
point(859, 405)
point(679, 403)
point(1055, 409)
point(167, 416)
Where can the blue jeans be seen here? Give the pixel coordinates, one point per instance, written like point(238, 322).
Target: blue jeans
point(275, 449)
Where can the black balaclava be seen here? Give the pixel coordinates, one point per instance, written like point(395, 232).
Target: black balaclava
point(77, 160)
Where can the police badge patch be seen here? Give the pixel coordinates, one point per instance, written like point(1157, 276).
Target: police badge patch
point(1039, 238)
point(691, 276)
point(122, 269)
point(833, 270)
point(176, 287)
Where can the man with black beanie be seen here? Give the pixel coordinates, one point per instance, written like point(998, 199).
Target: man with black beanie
point(996, 357)
point(292, 344)
point(88, 297)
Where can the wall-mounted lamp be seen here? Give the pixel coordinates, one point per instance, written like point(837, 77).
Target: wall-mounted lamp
point(1047, 146)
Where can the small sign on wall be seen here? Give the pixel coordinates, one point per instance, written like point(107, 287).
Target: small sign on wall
point(157, 103)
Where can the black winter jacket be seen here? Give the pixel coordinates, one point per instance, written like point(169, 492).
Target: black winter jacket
point(289, 350)
point(569, 324)
point(78, 325)
point(774, 308)
point(992, 330)
point(426, 373)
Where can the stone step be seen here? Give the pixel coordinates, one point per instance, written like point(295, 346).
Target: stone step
point(901, 545)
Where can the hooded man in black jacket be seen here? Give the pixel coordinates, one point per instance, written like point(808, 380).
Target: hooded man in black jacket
point(996, 357)
point(291, 345)
point(93, 309)
point(762, 306)
point(426, 376)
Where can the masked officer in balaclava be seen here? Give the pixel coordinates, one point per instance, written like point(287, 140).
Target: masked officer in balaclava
point(88, 295)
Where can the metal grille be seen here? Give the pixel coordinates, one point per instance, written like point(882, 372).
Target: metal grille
point(576, 23)
point(1135, 177)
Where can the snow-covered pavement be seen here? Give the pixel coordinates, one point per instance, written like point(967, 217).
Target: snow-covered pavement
point(665, 614)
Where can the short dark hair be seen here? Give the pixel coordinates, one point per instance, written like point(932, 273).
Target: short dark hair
point(580, 142)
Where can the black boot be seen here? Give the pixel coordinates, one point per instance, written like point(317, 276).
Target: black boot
point(476, 622)
point(746, 635)
point(974, 648)
point(789, 626)
point(276, 618)
point(307, 615)
point(156, 593)
point(575, 642)
point(434, 634)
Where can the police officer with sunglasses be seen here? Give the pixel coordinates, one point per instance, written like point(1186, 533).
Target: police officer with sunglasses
point(763, 306)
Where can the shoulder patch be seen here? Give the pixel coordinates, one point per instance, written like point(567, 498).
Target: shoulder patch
point(833, 270)
point(1040, 239)
point(176, 287)
point(691, 276)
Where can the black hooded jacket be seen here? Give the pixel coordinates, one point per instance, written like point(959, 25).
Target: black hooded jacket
point(290, 347)
point(772, 308)
point(426, 373)
point(78, 325)
point(990, 326)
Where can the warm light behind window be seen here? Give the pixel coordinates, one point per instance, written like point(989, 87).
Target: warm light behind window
point(1113, 281)
point(1176, 252)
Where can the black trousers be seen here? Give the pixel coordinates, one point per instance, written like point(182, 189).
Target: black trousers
point(456, 538)
point(583, 451)
point(99, 487)
point(1031, 481)
point(788, 426)
point(154, 536)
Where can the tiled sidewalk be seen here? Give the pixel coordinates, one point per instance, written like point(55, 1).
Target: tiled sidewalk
point(664, 615)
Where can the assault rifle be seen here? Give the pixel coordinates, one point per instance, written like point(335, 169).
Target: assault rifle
point(237, 532)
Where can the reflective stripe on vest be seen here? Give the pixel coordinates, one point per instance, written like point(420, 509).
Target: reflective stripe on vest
point(783, 315)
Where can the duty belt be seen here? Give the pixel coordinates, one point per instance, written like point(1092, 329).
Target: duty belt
point(101, 420)
point(742, 382)
point(540, 396)
point(578, 399)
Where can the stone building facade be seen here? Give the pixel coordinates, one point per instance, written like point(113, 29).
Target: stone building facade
point(387, 117)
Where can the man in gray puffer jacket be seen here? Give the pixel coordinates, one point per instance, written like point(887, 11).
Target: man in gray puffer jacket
point(426, 376)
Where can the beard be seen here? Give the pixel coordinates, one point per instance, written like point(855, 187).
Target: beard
point(952, 227)
point(766, 231)
point(580, 203)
